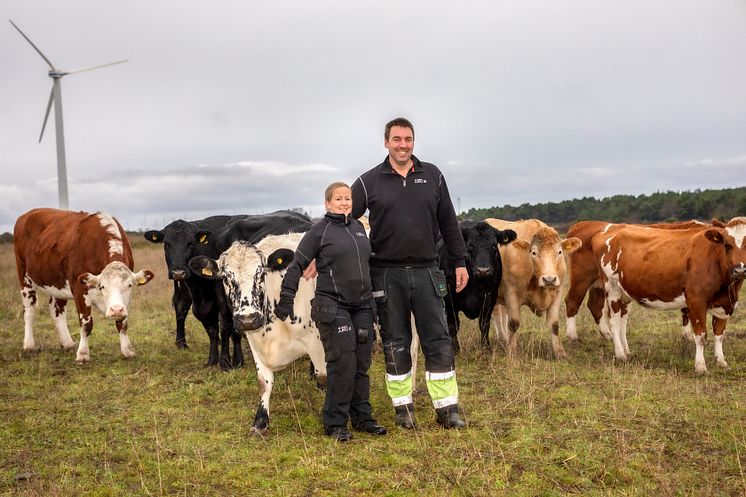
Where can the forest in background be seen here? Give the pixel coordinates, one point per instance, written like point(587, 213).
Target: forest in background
point(655, 208)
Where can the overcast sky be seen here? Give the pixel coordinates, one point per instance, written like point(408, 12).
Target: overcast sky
point(245, 107)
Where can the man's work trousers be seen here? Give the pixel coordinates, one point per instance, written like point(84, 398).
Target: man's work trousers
point(419, 291)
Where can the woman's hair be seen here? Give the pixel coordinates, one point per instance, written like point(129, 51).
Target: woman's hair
point(330, 189)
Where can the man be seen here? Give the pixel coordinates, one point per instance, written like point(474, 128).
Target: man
point(409, 206)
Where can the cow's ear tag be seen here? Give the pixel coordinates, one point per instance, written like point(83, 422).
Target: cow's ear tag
point(279, 261)
point(154, 236)
point(203, 239)
point(206, 271)
point(142, 280)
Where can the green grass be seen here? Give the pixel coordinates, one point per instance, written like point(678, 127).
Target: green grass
point(162, 424)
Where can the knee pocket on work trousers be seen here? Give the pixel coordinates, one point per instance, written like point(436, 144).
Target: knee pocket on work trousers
point(335, 328)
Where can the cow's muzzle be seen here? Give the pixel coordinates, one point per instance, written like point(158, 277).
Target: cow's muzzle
point(483, 272)
point(178, 274)
point(550, 280)
point(116, 312)
point(738, 272)
point(248, 323)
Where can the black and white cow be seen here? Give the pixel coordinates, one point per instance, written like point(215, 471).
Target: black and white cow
point(484, 266)
point(252, 277)
point(183, 240)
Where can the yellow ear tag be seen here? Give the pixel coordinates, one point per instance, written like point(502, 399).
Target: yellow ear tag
point(203, 239)
point(279, 260)
point(154, 237)
point(206, 271)
point(142, 280)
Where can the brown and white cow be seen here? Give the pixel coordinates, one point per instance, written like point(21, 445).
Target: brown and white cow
point(534, 268)
point(80, 256)
point(697, 269)
point(584, 277)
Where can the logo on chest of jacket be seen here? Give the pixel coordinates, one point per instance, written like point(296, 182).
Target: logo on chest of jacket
point(420, 180)
point(360, 234)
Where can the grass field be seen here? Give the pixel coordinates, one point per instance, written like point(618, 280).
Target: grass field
point(162, 424)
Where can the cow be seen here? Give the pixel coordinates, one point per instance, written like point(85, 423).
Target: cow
point(252, 277)
point(183, 240)
point(80, 256)
point(534, 268)
point(698, 269)
point(584, 277)
point(484, 266)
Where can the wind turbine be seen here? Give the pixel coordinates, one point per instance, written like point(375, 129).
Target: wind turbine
point(56, 97)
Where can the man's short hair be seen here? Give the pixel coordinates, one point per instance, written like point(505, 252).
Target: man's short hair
point(399, 121)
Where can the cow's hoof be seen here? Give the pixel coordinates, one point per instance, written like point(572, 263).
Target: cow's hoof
point(723, 365)
point(622, 358)
point(700, 371)
point(258, 432)
point(68, 346)
point(129, 353)
point(182, 345)
point(32, 350)
point(82, 359)
point(561, 355)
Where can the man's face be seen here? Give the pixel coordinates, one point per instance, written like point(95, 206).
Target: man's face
point(400, 145)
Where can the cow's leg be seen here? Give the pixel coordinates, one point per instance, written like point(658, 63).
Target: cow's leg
point(237, 361)
point(318, 361)
point(718, 328)
point(579, 286)
point(623, 331)
point(615, 323)
point(266, 379)
point(181, 301)
point(499, 317)
point(484, 320)
point(28, 296)
point(604, 325)
point(226, 332)
point(510, 317)
point(697, 315)
point(596, 304)
point(686, 325)
point(59, 317)
point(453, 322)
point(553, 325)
point(86, 326)
point(125, 346)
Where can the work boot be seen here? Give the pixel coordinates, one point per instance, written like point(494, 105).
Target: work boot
point(450, 417)
point(405, 416)
point(338, 433)
point(369, 426)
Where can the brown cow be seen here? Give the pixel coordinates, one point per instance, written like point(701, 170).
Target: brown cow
point(698, 269)
point(80, 256)
point(534, 268)
point(584, 275)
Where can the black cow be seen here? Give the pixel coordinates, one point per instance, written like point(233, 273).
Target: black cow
point(484, 266)
point(183, 240)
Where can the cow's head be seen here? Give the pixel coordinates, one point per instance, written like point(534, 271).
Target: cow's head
point(481, 239)
point(547, 252)
point(732, 236)
point(181, 241)
point(252, 277)
point(111, 290)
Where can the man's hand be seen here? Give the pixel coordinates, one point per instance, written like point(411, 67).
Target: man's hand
point(462, 278)
point(310, 271)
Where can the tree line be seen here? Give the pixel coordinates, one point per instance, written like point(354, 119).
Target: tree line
point(658, 207)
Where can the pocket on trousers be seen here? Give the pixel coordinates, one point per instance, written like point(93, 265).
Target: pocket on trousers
point(323, 310)
point(439, 282)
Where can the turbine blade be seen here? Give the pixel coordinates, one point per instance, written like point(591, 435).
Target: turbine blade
point(32, 44)
point(46, 116)
point(83, 69)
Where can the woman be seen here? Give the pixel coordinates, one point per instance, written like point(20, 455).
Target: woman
point(342, 309)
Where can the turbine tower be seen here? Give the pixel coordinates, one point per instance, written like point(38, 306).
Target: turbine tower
point(55, 97)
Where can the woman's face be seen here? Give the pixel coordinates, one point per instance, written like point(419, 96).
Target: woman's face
point(341, 201)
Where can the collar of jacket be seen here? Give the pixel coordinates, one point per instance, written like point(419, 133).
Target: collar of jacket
point(338, 218)
point(385, 166)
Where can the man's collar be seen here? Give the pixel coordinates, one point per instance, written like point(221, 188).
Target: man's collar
point(387, 168)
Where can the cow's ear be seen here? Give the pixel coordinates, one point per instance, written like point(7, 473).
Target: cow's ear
point(505, 236)
point(203, 237)
point(144, 276)
point(570, 245)
point(205, 267)
point(521, 244)
point(88, 280)
point(280, 259)
point(718, 223)
point(714, 236)
point(154, 236)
